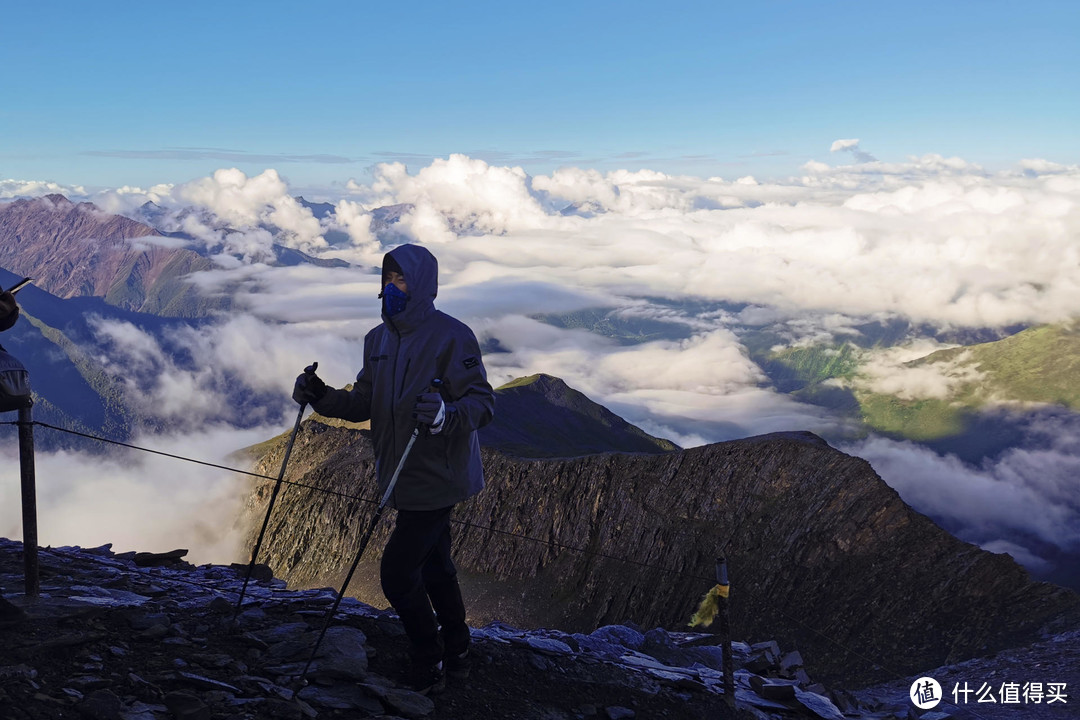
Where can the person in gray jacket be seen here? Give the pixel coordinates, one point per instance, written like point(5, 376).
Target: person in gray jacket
point(414, 346)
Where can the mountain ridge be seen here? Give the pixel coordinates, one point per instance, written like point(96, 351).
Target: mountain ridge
point(77, 250)
point(813, 537)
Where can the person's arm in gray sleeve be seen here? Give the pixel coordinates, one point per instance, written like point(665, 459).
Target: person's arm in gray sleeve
point(353, 405)
point(471, 402)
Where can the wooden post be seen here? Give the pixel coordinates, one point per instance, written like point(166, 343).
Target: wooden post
point(725, 638)
point(29, 502)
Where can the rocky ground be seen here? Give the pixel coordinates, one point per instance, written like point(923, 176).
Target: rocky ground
point(150, 637)
point(998, 683)
point(147, 637)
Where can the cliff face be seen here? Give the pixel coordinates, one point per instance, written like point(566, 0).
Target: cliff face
point(77, 250)
point(822, 553)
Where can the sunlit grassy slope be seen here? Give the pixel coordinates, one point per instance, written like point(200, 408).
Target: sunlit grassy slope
point(1037, 365)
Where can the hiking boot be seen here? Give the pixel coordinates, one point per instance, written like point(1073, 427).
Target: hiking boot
point(459, 665)
point(426, 678)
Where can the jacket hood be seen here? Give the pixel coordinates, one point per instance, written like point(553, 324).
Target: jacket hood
point(421, 271)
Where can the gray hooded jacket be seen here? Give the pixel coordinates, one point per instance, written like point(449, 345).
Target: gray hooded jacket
point(401, 358)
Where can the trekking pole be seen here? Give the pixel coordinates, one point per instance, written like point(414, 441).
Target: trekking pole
point(363, 545)
point(725, 631)
point(309, 370)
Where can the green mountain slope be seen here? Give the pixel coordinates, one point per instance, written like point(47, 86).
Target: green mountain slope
point(799, 367)
point(1040, 365)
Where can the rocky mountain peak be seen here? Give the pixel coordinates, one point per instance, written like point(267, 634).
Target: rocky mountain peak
point(541, 416)
point(58, 200)
point(551, 387)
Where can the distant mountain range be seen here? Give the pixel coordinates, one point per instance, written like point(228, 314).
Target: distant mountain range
point(995, 389)
point(90, 266)
point(75, 250)
point(72, 366)
point(1014, 374)
point(56, 343)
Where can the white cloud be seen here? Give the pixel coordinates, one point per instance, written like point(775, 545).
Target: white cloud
point(869, 174)
point(841, 145)
point(128, 199)
point(227, 211)
point(1019, 553)
point(697, 390)
point(1028, 492)
point(852, 146)
point(244, 366)
point(892, 371)
point(1041, 166)
point(149, 242)
point(247, 202)
point(355, 221)
point(36, 188)
point(139, 501)
point(461, 192)
point(933, 240)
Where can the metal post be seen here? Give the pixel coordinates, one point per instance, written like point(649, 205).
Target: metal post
point(725, 639)
point(29, 502)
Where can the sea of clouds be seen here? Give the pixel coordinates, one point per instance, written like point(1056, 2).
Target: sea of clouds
point(939, 242)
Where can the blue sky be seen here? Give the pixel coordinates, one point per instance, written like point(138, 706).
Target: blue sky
point(137, 93)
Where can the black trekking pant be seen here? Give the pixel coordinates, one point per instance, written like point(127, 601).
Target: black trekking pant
point(418, 575)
